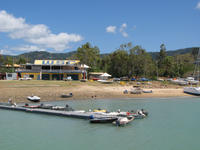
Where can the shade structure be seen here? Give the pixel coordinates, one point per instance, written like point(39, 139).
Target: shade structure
point(84, 66)
point(105, 76)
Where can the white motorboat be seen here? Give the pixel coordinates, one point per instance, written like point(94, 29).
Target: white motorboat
point(179, 81)
point(192, 90)
point(33, 98)
point(121, 121)
point(105, 81)
point(191, 80)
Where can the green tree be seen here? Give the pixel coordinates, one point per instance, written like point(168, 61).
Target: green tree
point(140, 62)
point(168, 64)
point(21, 60)
point(161, 58)
point(1, 59)
point(118, 63)
point(105, 63)
point(89, 55)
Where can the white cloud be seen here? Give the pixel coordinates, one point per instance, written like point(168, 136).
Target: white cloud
point(122, 30)
point(9, 23)
point(111, 29)
point(39, 34)
point(6, 52)
point(198, 5)
point(124, 25)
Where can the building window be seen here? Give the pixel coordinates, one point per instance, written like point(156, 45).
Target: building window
point(9, 75)
point(28, 67)
point(31, 76)
point(45, 67)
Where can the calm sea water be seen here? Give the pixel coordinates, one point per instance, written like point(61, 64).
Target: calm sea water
point(172, 124)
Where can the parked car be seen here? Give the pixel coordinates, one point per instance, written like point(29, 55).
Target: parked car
point(25, 78)
point(133, 79)
point(143, 79)
point(124, 78)
point(116, 79)
point(95, 79)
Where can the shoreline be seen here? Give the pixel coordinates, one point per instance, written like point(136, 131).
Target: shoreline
point(52, 90)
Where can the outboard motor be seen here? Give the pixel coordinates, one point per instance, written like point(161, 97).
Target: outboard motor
point(144, 112)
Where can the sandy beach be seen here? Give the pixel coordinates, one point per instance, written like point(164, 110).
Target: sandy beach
point(52, 90)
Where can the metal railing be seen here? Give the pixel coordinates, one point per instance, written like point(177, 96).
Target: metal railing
point(50, 71)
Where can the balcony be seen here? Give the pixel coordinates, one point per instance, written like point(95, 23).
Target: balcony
point(49, 71)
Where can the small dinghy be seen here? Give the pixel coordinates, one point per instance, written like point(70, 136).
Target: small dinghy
point(66, 95)
point(103, 120)
point(33, 98)
point(32, 106)
point(123, 121)
point(46, 106)
point(139, 114)
point(150, 91)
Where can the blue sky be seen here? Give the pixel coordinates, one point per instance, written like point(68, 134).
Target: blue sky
point(64, 25)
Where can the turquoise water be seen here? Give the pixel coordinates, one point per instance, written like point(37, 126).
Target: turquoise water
point(173, 124)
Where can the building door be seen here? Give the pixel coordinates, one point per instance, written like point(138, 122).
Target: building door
point(74, 77)
point(38, 77)
point(45, 77)
point(57, 77)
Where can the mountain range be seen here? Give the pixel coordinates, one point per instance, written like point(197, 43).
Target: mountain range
point(31, 56)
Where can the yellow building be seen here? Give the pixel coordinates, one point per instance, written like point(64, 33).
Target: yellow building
point(53, 70)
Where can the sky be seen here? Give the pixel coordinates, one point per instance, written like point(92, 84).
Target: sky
point(64, 25)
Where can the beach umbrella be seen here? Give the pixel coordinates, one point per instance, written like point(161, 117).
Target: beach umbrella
point(84, 66)
point(105, 75)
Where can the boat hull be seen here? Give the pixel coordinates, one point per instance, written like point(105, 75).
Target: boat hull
point(192, 90)
point(103, 120)
point(34, 100)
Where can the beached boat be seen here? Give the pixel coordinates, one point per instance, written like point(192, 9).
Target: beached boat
point(147, 91)
point(33, 98)
point(103, 120)
point(179, 81)
point(105, 81)
point(66, 95)
point(136, 92)
point(123, 121)
point(194, 90)
point(192, 81)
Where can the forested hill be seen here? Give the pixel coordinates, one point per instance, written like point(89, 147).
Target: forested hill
point(31, 56)
point(174, 52)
